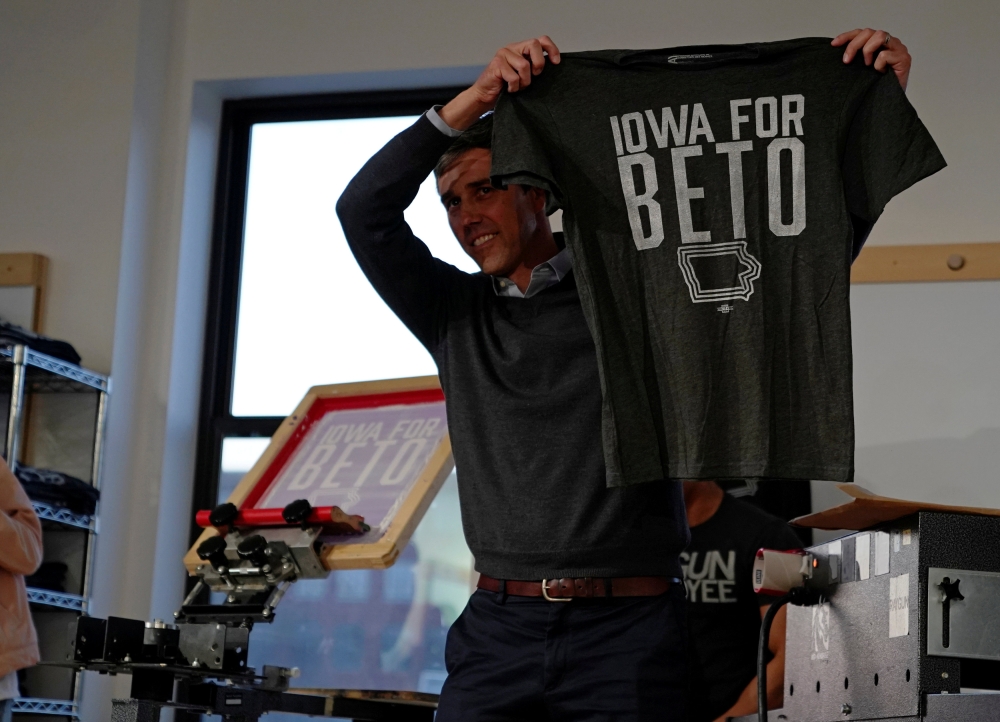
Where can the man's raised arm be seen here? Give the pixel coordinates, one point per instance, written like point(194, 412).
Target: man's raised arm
point(409, 279)
point(414, 284)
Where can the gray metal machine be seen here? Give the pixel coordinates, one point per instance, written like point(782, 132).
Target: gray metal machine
point(908, 628)
point(199, 662)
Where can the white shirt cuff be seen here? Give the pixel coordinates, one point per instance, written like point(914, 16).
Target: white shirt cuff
point(435, 119)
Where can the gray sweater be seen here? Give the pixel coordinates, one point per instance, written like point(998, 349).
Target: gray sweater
point(523, 396)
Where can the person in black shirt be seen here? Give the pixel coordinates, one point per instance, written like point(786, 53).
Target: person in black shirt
point(724, 613)
point(518, 366)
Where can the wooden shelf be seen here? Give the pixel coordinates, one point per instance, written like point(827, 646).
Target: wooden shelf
point(944, 262)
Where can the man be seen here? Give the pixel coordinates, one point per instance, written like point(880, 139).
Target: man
point(579, 614)
point(724, 613)
point(519, 370)
point(20, 555)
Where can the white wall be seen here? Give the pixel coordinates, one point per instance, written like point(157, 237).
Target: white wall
point(67, 71)
point(926, 394)
point(927, 391)
point(108, 111)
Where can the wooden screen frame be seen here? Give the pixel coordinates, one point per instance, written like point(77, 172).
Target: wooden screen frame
point(375, 555)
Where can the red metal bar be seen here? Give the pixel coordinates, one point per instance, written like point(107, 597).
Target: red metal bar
point(266, 517)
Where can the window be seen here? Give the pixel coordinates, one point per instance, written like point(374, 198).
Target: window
point(300, 288)
point(289, 309)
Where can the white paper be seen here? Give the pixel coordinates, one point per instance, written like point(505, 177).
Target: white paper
point(899, 606)
point(863, 555)
point(906, 537)
point(835, 551)
point(881, 553)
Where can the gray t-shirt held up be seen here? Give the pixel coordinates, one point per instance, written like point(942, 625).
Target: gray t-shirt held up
point(710, 199)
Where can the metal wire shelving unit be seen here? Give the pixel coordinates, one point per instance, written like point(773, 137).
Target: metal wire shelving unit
point(27, 373)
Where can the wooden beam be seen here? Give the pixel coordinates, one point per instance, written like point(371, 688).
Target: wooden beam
point(27, 269)
point(944, 262)
point(21, 269)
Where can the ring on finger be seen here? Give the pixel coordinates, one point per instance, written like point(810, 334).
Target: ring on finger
point(888, 39)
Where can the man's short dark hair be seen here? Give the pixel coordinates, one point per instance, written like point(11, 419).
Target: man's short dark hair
point(478, 135)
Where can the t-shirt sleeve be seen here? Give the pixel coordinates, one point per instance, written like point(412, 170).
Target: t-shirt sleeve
point(888, 149)
point(523, 141)
point(778, 536)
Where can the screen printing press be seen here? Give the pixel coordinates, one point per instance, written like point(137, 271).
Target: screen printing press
point(342, 485)
point(899, 621)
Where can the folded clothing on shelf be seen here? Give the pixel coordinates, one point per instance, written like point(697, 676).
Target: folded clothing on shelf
point(58, 489)
point(51, 576)
point(11, 333)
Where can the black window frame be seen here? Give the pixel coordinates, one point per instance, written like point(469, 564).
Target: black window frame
point(215, 419)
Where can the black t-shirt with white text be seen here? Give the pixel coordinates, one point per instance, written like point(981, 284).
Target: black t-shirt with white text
point(708, 197)
point(723, 610)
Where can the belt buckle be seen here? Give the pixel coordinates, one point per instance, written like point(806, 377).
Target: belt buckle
point(545, 594)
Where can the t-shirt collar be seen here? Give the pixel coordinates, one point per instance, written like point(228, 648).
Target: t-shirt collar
point(690, 57)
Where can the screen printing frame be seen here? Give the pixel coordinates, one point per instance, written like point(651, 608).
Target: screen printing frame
point(317, 402)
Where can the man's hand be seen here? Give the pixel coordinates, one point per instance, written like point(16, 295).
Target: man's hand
point(893, 54)
point(514, 64)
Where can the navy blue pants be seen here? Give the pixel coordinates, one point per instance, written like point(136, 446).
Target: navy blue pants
point(526, 659)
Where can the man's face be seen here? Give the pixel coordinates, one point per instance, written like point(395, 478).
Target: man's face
point(494, 226)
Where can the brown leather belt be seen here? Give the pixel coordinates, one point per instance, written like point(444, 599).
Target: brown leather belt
point(563, 590)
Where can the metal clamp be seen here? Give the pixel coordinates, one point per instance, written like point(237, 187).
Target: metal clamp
point(545, 594)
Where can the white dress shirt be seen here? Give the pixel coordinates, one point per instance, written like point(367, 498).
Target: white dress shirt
point(542, 276)
point(435, 119)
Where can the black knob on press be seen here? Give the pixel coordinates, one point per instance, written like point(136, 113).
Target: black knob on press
point(254, 549)
point(950, 589)
point(213, 551)
point(297, 512)
point(223, 515)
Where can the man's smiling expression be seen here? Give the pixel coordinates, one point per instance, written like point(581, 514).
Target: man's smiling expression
point(495, 227)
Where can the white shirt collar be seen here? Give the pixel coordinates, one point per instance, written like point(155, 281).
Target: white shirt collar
point(543, 276)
